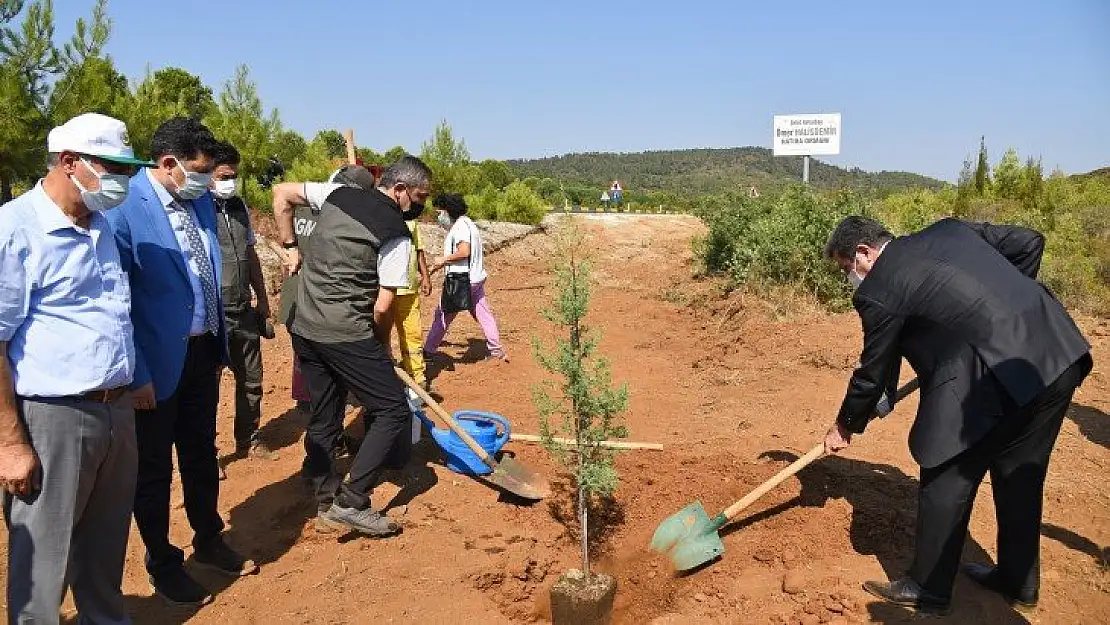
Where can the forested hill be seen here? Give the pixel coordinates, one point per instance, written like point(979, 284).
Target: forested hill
point(709, 171)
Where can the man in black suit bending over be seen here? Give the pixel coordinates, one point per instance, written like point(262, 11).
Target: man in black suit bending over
point(998, 358)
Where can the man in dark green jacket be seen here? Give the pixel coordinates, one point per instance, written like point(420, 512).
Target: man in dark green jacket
point(246, 323)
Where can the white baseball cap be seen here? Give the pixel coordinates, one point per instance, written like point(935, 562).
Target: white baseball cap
point(95, 135)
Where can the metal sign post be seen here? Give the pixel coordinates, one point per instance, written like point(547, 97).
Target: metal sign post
point(806, 135)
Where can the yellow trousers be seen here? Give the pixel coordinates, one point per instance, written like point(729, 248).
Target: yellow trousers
point(406, 319)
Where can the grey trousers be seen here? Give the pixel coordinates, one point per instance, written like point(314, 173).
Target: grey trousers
point(73, 531)
point(246, 366)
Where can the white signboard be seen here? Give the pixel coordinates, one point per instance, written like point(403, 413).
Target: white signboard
point(807, 135)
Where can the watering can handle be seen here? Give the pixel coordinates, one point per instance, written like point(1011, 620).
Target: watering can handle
point(474, 415)
point(506, 429)
point(799, 464)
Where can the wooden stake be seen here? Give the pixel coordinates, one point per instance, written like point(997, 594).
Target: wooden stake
point(349, 137)
point(533, 438)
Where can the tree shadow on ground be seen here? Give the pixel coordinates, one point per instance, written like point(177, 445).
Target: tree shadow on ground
point(884, 511)
point(1093, 423)
point(605, 515)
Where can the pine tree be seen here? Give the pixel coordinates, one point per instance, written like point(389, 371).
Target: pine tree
point(1008, 176)
point(587, 409)
point(982, 170)
point(965, 188)
point(239, 119)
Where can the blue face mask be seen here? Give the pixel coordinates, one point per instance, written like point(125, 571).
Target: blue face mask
point(444, 220)
point(196, 184)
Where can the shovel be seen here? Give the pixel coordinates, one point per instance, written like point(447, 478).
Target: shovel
point(507, 474)
point(689, 537)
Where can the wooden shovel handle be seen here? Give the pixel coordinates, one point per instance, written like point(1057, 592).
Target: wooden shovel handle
point(799, 464)
point(779, 478)
point(446, 418)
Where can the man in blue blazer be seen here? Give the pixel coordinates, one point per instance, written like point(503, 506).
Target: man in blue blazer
point(165, 232)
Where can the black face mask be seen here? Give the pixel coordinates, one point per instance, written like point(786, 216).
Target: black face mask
point(415, 210)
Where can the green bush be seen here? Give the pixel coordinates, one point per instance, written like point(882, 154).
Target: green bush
point(778, 240)
point(518, 203)
point(261, 200)
point(483, 205)
point(910, 211)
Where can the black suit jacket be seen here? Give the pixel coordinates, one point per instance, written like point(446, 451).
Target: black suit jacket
point(974, 283)
point(959, 399)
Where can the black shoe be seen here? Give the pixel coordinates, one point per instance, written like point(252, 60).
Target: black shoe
point(909, 593)
point(177, 588)
point(365, 521)
point(987, 576)
point(219, 557)
point(347, 445)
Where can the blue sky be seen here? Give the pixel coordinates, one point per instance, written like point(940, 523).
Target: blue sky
point(917, 83)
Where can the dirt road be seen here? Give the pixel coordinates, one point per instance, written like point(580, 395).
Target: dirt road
point(734, 388)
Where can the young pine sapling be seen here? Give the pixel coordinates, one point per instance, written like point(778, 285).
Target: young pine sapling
point(583, 406)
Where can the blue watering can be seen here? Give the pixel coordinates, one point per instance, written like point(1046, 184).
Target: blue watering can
point(482, 427)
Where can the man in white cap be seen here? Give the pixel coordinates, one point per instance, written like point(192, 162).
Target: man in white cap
point(67, 426)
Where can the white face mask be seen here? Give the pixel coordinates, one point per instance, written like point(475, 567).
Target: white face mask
point(225, 189)
point(853, 277)
point(111, 190)
point(195, 185)
point(443, 220)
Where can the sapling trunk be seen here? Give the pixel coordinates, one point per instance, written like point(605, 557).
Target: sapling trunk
point(588, 407)
point(579, 425)
point(583, 512)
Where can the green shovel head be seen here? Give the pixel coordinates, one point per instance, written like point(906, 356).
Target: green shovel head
point(689, 537)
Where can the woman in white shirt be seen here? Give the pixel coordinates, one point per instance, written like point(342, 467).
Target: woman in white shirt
point(462, 252)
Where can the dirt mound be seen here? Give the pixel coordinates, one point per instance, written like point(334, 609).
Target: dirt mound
point(520, 578)
point(834, 608)
point(784, 530)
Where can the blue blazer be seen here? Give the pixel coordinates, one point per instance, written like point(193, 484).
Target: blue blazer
point(161, 294)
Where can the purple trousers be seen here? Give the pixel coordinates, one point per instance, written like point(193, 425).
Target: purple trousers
point(481, 313)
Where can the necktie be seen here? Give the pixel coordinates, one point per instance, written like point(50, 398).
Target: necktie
point(204, 264)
